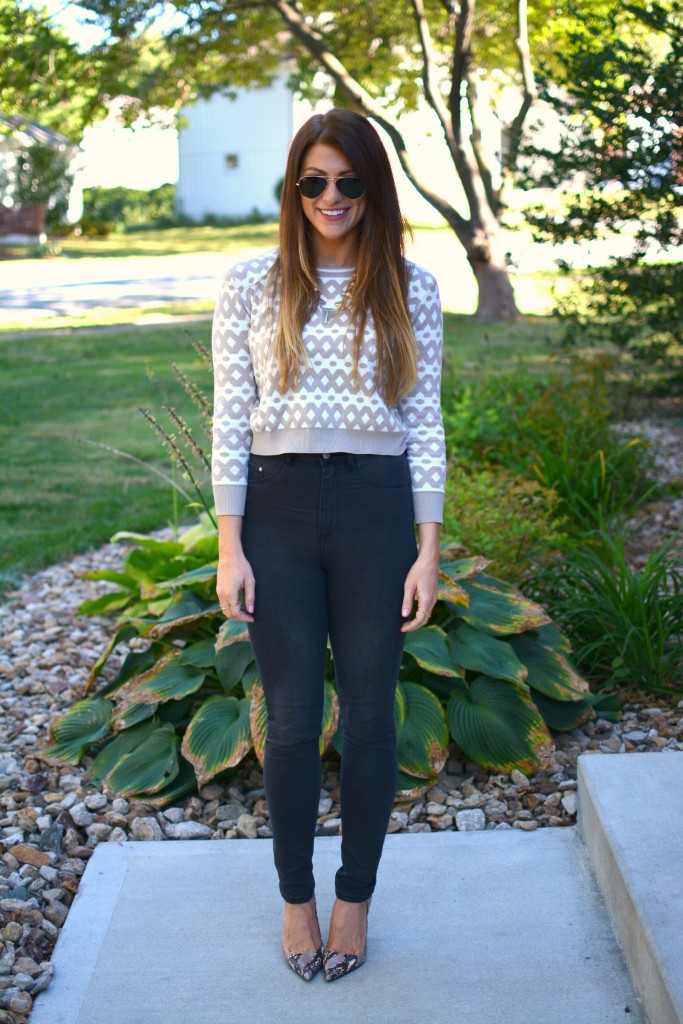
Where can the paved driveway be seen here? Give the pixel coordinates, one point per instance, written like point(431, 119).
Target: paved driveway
point(30, 289)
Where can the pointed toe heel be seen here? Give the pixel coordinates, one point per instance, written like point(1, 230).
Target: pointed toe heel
point(336, 963)
point(307, 964)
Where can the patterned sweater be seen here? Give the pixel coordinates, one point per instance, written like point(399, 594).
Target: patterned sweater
point(325, 412)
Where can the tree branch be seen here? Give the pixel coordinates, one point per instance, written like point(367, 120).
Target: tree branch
point(315, 44)
point(530, 94)
point(467, 172)
point(476, 141)
point(431, 85)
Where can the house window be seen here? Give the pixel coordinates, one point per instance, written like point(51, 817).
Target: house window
point(231, 161)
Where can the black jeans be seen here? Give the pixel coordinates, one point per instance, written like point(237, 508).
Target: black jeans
point(330, 540)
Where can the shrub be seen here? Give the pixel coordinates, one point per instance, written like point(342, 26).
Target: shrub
point(128, 207)
point(186, 704)
point(626, 625)
point(553, 430)
point(508, 519)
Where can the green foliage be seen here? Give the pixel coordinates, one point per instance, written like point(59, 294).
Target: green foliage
point(119, 208)
point(554, 431)
point(189, 694)
point(510, 520)
point(41, 177)
point(620, 94)
point(626, 624)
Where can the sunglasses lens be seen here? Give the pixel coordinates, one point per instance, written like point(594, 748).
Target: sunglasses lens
point(351, 188)
point(312, 186)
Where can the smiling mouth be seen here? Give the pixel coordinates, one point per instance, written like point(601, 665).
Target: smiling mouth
point(332, 213)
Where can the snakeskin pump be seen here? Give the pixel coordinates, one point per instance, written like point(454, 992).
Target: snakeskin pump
point(336, 964)
point(308, 963)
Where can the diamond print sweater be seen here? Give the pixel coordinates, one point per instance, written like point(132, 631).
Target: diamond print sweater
point(326, 412)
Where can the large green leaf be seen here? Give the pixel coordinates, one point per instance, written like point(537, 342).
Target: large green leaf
point(198, 575)
point(450, 591)
point(110, 602)
point(169, 679)
point(218, 736)
point(429, 648)
point(84, 723)
point(127, 715)
point(499, 612)
point(410, 788)
point(423, 740)
point(258, 720)
point(232, 662)
point(330, 720)
point(497, 725)
point(562, 715)
point(202, 654)
point(183, 609)
point(184, 783)
point(549, 671)
point(151, 544)
point(464, 568)
point(110, 755)
point(231, 632)
point(552, 636)
point(149, 767)
point(480, 652)
point(124, 632)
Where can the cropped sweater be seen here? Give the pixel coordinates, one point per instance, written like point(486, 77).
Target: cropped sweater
point(325, 412)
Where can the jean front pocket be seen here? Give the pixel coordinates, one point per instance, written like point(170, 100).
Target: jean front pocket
point(264, 468)
point(384, 470)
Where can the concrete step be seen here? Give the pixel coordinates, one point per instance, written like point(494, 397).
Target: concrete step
point(503, 927)
point(631, 818)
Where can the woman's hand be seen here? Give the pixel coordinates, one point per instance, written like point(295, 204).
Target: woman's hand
point(235, 584)
point(422, 582)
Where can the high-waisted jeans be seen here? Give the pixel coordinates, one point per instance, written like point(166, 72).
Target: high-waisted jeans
point(330, 539)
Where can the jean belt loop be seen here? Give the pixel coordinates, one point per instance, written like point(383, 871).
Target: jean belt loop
point(350, 461)
point(289, 458)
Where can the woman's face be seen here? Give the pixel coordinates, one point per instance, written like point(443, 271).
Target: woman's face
point(334, 218)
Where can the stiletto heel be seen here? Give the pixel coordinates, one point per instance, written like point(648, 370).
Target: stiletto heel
point(336, 964)
point(308, 963)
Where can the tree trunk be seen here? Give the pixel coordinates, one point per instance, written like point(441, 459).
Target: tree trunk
point(496, 299)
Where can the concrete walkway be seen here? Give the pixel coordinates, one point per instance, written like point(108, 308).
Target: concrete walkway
point(501, 927)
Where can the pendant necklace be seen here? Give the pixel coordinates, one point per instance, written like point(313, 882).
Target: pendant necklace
point(328, 311)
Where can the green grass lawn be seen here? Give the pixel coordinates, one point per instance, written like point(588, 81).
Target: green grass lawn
point(168, 242)
point(60, 495)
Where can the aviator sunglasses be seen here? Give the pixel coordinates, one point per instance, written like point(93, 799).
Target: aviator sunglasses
point(312, 186)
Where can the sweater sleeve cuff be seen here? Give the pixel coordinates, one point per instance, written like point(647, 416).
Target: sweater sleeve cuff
point(230, 499)
point(428, 506)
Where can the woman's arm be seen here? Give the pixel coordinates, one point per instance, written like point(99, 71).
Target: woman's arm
point(422, 582)
point(235, 585)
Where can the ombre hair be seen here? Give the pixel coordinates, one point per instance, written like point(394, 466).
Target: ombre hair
point(379, 287)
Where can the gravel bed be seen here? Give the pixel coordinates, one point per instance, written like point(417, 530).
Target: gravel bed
point(51, 819)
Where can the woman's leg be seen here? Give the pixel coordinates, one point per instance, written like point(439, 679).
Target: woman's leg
point(367, 559)
point(289, 636)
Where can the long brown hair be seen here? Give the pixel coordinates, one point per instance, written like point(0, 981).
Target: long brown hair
point(380, 283)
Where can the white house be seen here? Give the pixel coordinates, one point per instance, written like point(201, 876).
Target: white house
point(232, 152)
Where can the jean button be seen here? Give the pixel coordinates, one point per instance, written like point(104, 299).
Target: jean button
point(326, 455)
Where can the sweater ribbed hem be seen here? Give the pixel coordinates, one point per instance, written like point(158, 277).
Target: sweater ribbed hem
point(230, 499)
point(315, 441)
point(428, 506)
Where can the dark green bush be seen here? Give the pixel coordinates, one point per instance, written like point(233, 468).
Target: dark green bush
point(129, 207)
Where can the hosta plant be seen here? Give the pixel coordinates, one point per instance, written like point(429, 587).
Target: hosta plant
point(491, 672)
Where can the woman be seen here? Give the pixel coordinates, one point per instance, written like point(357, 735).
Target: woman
point(327, 448)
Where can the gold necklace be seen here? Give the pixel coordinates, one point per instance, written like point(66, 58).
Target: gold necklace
point(328, 311)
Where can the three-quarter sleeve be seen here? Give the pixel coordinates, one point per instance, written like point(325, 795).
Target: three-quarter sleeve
point(233, 400)
point(420, 410)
